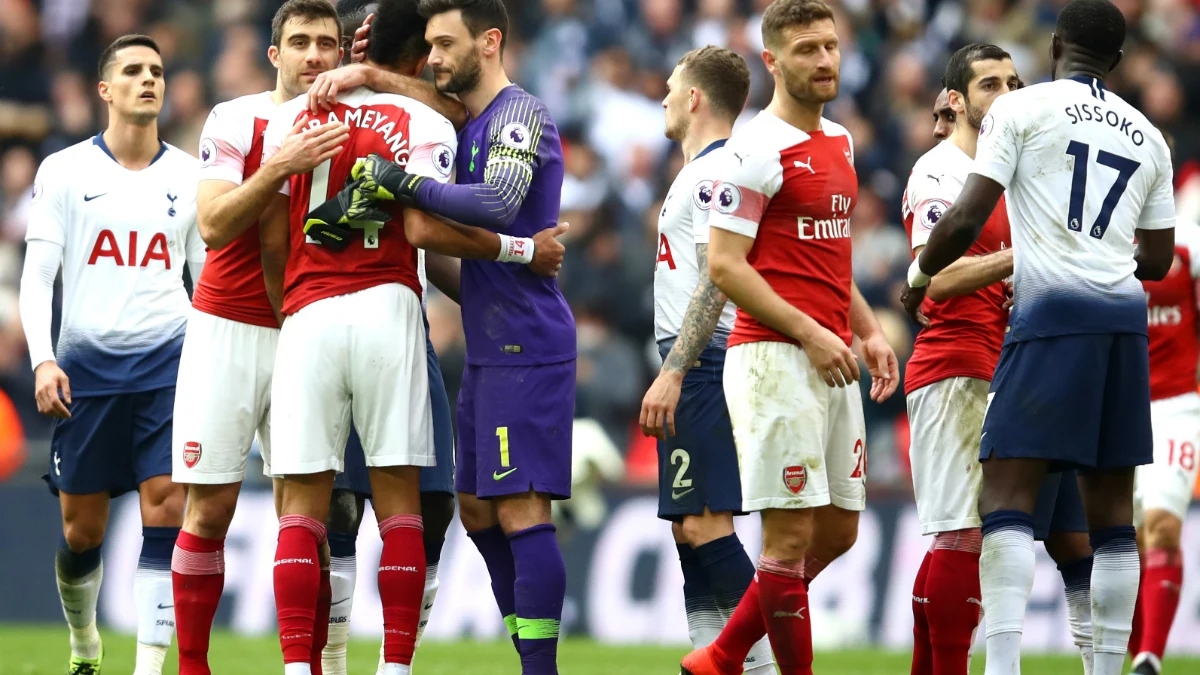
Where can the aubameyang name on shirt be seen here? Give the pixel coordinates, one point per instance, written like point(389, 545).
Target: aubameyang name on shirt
point(385, 126)
point(837, 227)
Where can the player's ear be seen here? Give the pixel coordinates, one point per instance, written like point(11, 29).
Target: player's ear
point(273, 55)
point(1116, 60)
point(956, 102)
point(693, 99)
point(105, 91)
point(421, 66)
point(769, 61)
point(1055, 47)
point(492, 38)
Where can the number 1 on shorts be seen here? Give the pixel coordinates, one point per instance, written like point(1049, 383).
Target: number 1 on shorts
point(502, 434)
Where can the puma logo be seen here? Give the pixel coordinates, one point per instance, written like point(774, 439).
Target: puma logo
point(805, 165)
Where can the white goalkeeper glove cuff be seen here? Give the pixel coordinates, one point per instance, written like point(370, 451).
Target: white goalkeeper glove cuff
point(917, 278)
point(515, 249)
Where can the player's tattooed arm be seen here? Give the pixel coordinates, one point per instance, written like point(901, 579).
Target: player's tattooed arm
point(971, 273)
point(273, 241)
point(700, 319)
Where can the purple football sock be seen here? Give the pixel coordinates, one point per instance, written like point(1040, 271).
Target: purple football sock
point(540, 589)
point(498, 556)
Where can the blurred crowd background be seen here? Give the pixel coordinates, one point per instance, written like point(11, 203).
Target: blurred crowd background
point(600, 65)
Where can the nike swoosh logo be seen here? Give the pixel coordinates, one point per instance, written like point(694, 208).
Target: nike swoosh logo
point(339, 601)
point(680, 495)
point(496, 475)
point(88, 198)
point(162, 606)
point(429, 607)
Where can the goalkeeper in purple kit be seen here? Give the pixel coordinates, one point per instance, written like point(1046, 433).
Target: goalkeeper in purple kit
point(516, 406)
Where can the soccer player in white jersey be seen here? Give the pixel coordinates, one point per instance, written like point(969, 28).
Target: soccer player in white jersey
point(1163, 490)
point(1084, 174)
point(699, 489)
point(780, 249)
point(118, 214)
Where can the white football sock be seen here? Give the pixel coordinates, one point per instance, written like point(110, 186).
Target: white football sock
point(1079, 616)
point(79, 598)
point(431, 589)
point(1006, 579)
point(396, 669)
point(705, 620)
point(297, 668)
point(155, 600)
point(760, 660)
point(1116, 573)
point(149, 659)
point(343, 573)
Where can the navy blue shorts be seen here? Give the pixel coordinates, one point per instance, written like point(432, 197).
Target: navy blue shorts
point(698, 466)
point(438, 478)
point(112, 443)
point(1059, 506)
point(1079, 401)
point(514, 430)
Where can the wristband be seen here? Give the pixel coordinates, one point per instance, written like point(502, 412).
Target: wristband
point(917, 278)
point(515, 249)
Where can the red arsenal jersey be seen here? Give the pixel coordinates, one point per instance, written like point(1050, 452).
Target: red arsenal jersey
point(1171, 318)
point(792, 192)
point(965, 332)
point(396, 127)
point(231, 146)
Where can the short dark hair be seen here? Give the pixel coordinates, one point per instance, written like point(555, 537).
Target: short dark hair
point(783, 14)
point(478, 15)
point(721, 74)
point(397, 34)
point(125, 41)
point(308, 10)
point(1094, 25)
point(960, 70)
point(352, 13)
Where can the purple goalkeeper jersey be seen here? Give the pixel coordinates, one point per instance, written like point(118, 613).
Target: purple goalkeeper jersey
point(509, 180)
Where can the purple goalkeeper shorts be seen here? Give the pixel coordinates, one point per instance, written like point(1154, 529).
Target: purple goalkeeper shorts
point(514, 430)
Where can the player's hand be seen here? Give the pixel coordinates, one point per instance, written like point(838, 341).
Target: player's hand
point(912, 298)
point(358, 50)
point(883, 366)
point(548, 251)
point(1008, 296)
point(329, 223)
point(385, 180)
point(303, 149)
point(323, 93)
point(49, 380)
point(832, 359)
point(659, 404)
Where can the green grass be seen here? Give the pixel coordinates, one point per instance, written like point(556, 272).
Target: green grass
point(43, 651)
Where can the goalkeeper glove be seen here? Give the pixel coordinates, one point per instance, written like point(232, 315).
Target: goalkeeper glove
point(329, 223)
point(382, 179)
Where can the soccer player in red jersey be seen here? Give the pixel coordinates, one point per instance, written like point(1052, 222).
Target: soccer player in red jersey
point(353, 341)
point(780, 249)
point(1163, 490)
point(943, 116)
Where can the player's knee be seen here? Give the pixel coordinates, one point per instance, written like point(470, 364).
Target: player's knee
point(476, 514)
point(83, 534)
point(437, 510)
point(1163, 531)
point(700, 530)
point(1066, 547)
point(345, 512)
point(209, 515)
point(787, 535)
point(162, 503)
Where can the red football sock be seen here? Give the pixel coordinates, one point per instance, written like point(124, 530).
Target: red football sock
point(297, 584)
point(197, 579)
point(812, 567)
point(321, 622)
point(1163, 581)
point(401, 585)
point(783, 600)
point(952, 590)
point(922, 662)
point(744, 628)
point(1139, 614)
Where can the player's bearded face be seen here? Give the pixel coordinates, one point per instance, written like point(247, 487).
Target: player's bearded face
point(675, 106)
point(460, 74)
point(808, 62)
point(307, 49)
point(991, 79)
point(134, 85)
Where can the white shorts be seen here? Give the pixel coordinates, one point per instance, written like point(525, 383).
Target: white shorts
point(361, 353)
point(945, 419)
point(222, 398)
point(800, 443)
point(1167, 484)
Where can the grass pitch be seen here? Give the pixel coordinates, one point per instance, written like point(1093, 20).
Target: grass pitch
point(43, 650)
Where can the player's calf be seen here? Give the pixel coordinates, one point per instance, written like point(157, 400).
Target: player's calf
point(79, 569)
point(834, 532)
point(1162, 582)
point(304, 500)
point(345, 517)
point(162, 504)
point(540, 578)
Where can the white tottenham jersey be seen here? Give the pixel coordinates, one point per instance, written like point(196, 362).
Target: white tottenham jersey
point(682, 224)
point(126, 237)
point(1082, 170)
